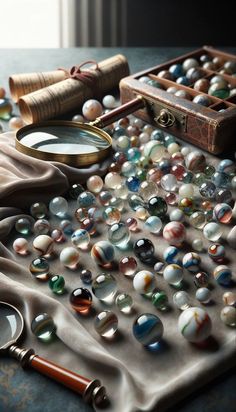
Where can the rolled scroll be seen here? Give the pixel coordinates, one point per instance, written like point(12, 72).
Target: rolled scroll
point(21, 84)
point(67, 95)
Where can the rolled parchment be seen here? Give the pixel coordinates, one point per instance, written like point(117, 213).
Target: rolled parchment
point(24, 83)
point(68, 95)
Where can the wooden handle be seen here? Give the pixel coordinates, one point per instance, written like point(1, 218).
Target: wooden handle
point(119, 112)
point(92, 391)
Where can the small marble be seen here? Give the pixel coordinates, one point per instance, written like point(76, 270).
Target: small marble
point(128, 265)
point(106, 324)
point(119, 234)
point(43, 327)
point(228, 316)
point(23, 226)
point(229, 298)
point(212, 231)
point(197, 244)
point(20, 246)
point(201, 279)
point(148, 330)
point(223, 275)
point(39, 210)
point(144, 250)
point(69, 257)
point(231, 238)
point(103, 253)
point(153, 224)
point(203, 295)
point(173, 274)
point(43, 244)
point(42, 227)
point(223, 213)
point(159, 299)
point(86, 199)
point(216, 252)
point(144, 282)
point(80, 238)
point(191, 261)
point(39, 268)
point(181, 300)
point(124, 302)
point(58, 206)
point(57, 284)
point(92, 109)
point(104, 287)
point(86, 276)
point(81, 300)
point(194, 324)
point(174, 233)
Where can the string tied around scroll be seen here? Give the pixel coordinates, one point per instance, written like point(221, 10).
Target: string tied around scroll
point(85, 76)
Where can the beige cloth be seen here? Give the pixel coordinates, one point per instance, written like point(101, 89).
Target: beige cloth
point(135, 378)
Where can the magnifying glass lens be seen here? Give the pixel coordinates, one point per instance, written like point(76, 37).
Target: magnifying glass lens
point(10, 325)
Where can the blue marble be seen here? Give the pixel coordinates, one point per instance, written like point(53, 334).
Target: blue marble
point(170, 254)
point(148, 329)
point(176, 70)
point(221, 179)
point(133, 183)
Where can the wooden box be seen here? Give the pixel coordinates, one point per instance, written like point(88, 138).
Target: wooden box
point(212, 128)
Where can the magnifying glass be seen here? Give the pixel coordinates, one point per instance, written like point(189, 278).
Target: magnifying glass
point(76, 144)
point(11, 330)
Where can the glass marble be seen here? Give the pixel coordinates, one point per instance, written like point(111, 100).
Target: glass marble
point(154, 150)
point(171, 199)
point(95, 213)
point(92, 109)
point(201, 279)
point(57, 235)
point(216, 252)
point(229, 299)
point(5, 109)
point(176, 215)
point(122, 191)
point(197, 244)
point(141, 213)
point(86, 199)
point(187, 177)
point(81, 300)
point(118, 131)
point(173, 274)
point(223, 275)
point(227, 166)
point(88, 225)
point(69, 257)
point(223, 213)
point(58, 206)
point(23, 226)
point(86, 276)
point(122, 143)
point(203, 295)
point(186, 190)
point(111, 215)
point(199, 179)
point(113, 180)
point(153, 224)
point(109, 101)
point(202, 100)
point(81, 213)
point(57, 284)
point(106, 324)
point(165, 166)
point(231, 238)
point(169, 182)
point(178, 171)
point(191, 262)
point(157, 135)
point(132, 224)
point(42, 227)
point(212, 231)
point(39, 268)
point(144, 250)
point(133, 154)
point(186, 204)
point(124, 302)
point(80, 238)
point(133, 184)
point(174, 233)
point(176, 70)
point(39, 210)
point(117, 203)
point(20, 246)
point(194, 324)
point(173, 148)
point(223, 196)
point(103, 253)
point(157, 206)
point(195, 161)
point(104, 197)
point(43, 327)
point(209, 171)
point(66, 226)
point(75, 190)
point(159, 299)
point(159, 268)
point(104, 286)
point(43, 244)
point(144, 282)
point(119, 234)
point(170, 255)
point(197, 219)
point(221, 179)
point(128, 169)
point(181, 300)
point(128, 265)
point(228, 316)
point(148, 330)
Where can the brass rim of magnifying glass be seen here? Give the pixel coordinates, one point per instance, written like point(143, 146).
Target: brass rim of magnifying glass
point(83, 159)
point(11, 342)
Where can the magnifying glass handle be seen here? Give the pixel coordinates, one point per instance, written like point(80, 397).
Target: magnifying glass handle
point(91, 390)
point(121, 111)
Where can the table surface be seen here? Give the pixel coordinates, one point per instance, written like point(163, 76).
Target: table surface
point(27, 391)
